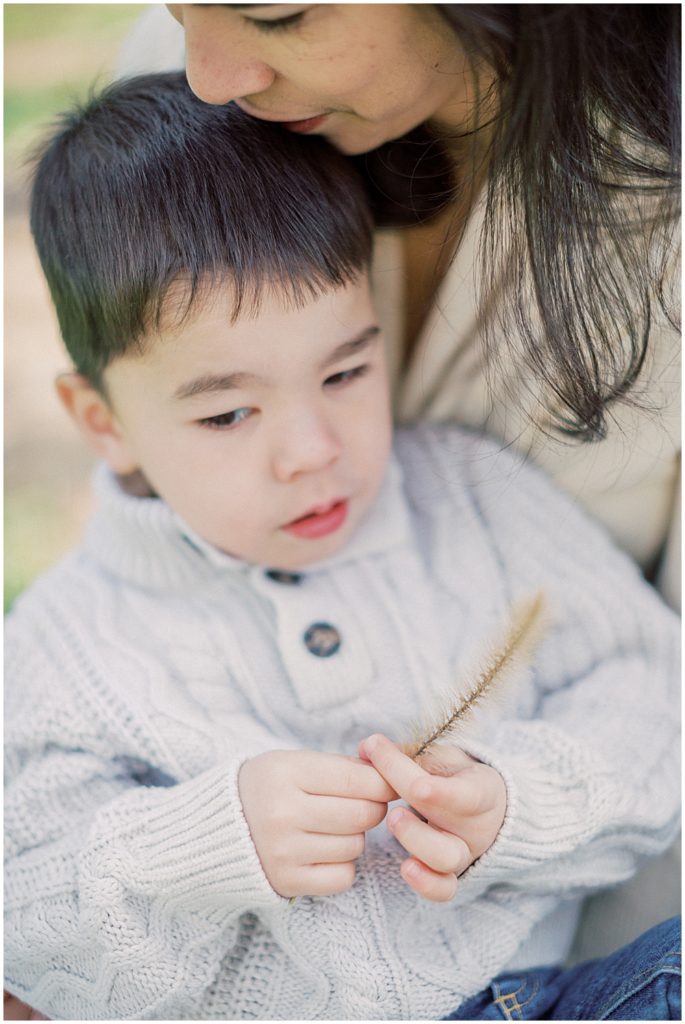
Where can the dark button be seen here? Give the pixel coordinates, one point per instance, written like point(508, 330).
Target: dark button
point(279, 576)
point(322, 639)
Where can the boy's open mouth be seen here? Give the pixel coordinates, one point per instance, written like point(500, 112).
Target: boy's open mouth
point(320, 521)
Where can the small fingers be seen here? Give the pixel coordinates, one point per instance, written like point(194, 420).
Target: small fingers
point(338, 775)
point(321, 880)
point(313, 865)
point(439, 888)
point(444, 852)
point(448, 801)
point(340, 816)
point(330, 849)
point(396, 768)
point(445, 801)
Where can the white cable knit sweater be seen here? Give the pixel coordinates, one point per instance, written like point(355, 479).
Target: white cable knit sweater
point(143, 670)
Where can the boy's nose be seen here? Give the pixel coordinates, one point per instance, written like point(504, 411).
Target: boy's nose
point(307, 445)
point(220, 66)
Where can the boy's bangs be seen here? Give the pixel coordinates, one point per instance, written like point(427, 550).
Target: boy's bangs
point(147, 186)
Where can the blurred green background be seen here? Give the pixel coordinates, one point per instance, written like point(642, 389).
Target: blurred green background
point(53, 55)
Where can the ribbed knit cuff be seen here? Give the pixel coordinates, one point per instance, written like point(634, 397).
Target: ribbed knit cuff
point(191, 845)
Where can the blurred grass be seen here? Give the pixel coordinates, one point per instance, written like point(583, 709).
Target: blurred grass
point(37, 530)
point(21, 21)
point(53, 54)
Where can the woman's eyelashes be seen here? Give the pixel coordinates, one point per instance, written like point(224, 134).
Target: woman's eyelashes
point(276, 24)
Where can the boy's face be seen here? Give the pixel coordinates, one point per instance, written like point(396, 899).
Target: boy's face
point(268, 436)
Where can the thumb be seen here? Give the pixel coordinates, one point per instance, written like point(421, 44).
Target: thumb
point(444, 759)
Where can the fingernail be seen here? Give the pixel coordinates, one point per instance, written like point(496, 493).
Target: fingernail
point(395, 817)
point(411, 868)
point(370, 743)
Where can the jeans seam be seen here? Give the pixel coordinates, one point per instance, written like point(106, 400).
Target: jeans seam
point(516, 1005)
point(636, 984)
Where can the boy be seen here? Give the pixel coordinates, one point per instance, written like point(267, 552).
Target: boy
point(265, 583)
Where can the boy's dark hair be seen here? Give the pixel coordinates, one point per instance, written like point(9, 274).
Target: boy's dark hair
point(146, 184)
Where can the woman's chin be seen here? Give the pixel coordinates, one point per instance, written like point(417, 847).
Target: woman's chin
point(352, 134)
point(354, 140)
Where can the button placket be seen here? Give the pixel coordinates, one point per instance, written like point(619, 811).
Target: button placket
point(323, 649)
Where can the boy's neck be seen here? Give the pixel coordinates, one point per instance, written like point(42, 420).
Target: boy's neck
point(135, 484)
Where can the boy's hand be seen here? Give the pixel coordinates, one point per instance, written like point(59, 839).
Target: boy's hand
point(464, 812)
point(307, 813)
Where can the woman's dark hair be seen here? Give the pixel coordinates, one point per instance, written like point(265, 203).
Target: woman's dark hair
point(583, 183)
point(145, 186)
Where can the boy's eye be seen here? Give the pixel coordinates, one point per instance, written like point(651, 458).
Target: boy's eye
point(346, 376)
point(226, 420)
point(276, 24)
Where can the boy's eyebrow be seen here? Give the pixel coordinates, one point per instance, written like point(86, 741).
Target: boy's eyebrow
point(353, 346)
point(210, 382)
point(215, 382)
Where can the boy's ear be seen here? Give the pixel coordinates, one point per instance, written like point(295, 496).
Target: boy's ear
point(95, 418)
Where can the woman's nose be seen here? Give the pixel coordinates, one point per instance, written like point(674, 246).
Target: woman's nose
point(221, 64)
point(307, 444)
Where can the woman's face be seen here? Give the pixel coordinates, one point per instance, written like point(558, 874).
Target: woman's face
point(359, 74)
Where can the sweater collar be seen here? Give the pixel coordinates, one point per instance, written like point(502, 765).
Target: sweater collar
point(143, 541)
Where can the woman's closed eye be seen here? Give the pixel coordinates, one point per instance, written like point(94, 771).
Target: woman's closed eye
point(226, 420)
point(346, 376)
point(278, 24)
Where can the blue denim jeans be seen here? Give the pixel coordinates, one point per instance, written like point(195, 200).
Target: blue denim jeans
point(639, 982)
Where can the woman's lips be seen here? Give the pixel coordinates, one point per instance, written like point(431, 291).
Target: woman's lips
point(307, 125)
point(319, 523)
point(302, 124)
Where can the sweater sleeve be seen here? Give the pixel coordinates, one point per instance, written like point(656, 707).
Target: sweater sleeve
point(590, 756)
point(120, 898)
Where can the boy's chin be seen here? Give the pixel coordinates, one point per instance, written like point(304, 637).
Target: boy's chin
point(301, 555)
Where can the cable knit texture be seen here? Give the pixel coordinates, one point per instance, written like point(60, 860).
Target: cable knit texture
point(144, 669)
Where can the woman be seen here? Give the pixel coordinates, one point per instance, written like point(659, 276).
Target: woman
point(530, 154)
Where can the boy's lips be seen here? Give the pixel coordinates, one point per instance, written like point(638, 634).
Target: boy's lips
point(320, 521)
